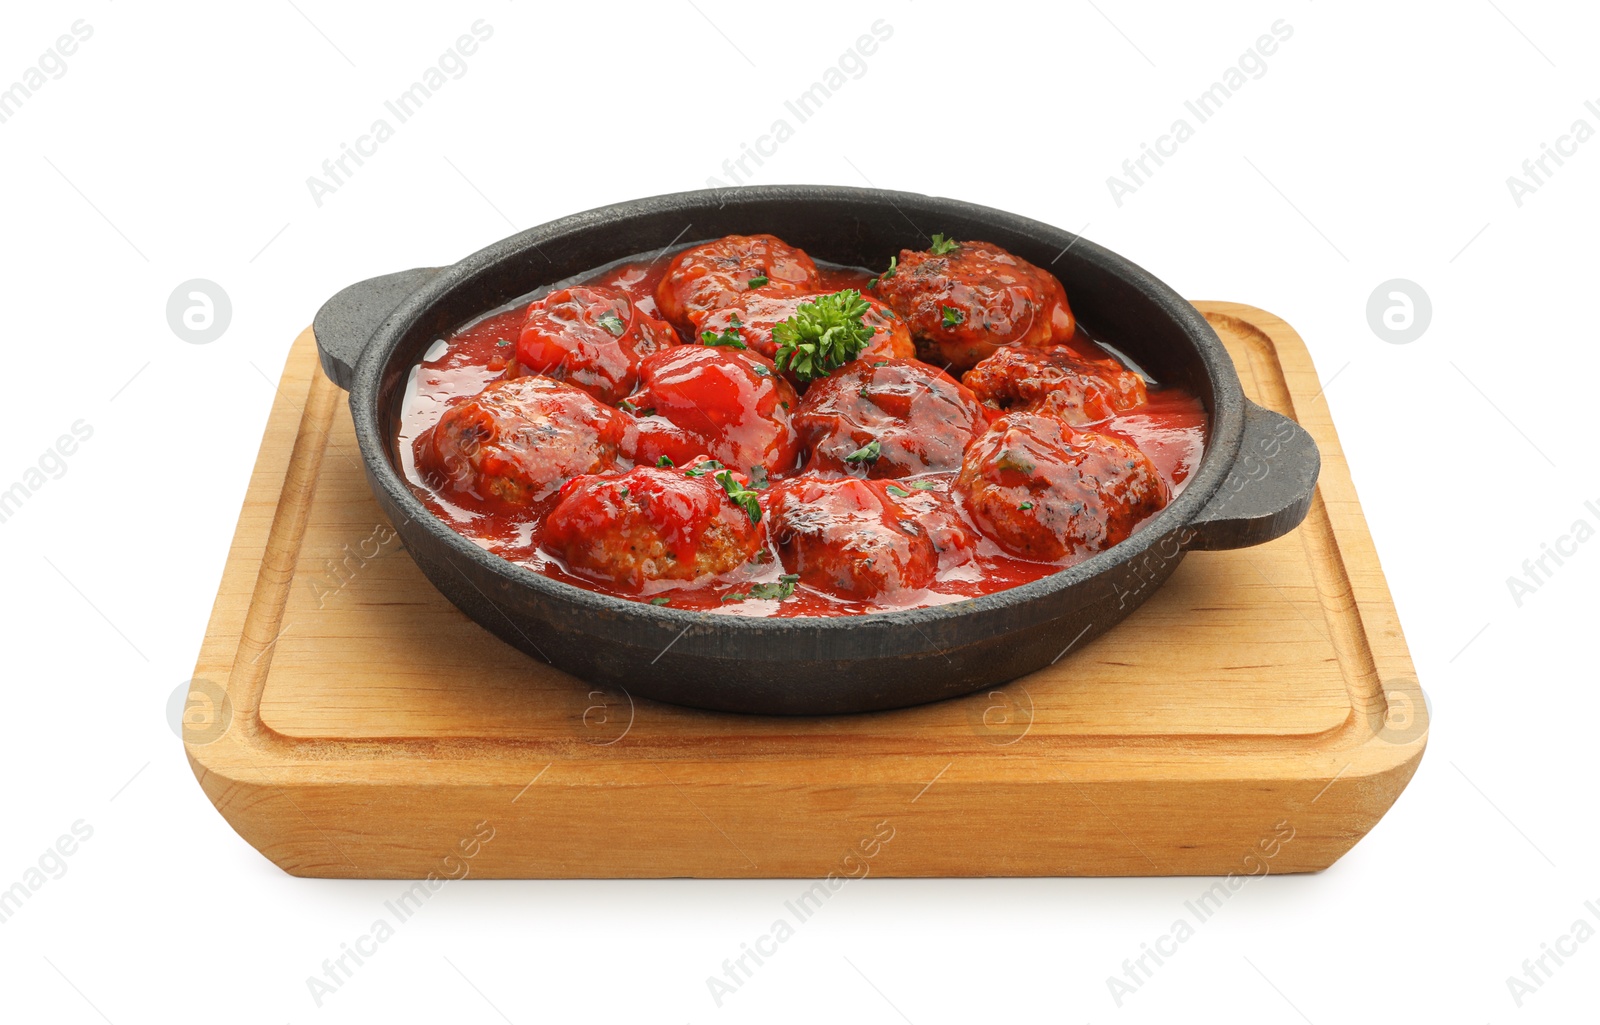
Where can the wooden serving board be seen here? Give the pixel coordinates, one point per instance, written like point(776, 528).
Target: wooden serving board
point(1259, 713)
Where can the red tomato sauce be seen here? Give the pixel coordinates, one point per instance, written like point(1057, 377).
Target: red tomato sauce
point(1170, 429)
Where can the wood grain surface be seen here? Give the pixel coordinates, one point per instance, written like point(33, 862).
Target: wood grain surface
point(348, 721)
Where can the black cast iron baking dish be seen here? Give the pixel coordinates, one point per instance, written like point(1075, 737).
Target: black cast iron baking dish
point(1254, 483)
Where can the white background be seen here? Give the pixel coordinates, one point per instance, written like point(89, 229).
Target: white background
point(1377, 145)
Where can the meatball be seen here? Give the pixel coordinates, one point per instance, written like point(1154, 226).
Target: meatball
point(1045, 491)
point(887, 418)
point(1056, 380)
point(752, 316)
point(967, 299)
point(519, 440)
point(652, 524)
point(712, 275)
point(592, 337)
point(865, 539)
point(727, 403)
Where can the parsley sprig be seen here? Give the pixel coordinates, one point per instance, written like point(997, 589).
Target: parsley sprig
point(942, 245)
point(823, 335)
point(743, 497)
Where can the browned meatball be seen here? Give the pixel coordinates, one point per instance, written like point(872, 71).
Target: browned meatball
point(752, 316)
point(864, 539)
point(1056, 380)
point(887, 418)
point(519, 440)
point(713, 275)
point(970, 298)
point(592, 337)
point(1044, 491)
point(653, 524)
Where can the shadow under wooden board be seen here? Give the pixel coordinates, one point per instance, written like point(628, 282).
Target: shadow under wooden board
point(1259, 712)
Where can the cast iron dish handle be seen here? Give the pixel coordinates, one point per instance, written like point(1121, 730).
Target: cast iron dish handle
point(1268, 491)
point(347, 322)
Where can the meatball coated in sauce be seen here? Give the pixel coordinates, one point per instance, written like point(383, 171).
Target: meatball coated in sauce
point(1056, 380)
point(727, 403)
point(1045, 491)
point(920, 418)
point(650, 524)
point(966, 302)
point(593, 337)
point(858, 539)
point(713, 275)
point(757, 313)
point(519, 440)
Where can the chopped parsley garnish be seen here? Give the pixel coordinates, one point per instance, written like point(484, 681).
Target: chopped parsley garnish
point(1025, 506)
point(758, 476)
point(757, 281)
point(942, 245)
point(742, 496)
point(1010, 460)
point(952, 316)
point(867, 453)
point(729, 336)
point(777, 590)
point(660, 601)
point(665, 462)
point(702, 468)
point(823, 335)
point(613, 323)
point(627, 407)
point(502, 341)
point(886, 275)
point(898, 492)
point(782, 588)
point(924, 485)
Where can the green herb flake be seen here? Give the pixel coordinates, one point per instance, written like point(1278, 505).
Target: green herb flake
point(665, 462)
point(702, 468)
point(867, 453)
point(778, 590)
point(952, 316)
point(823, 335)
point(660, 601)
point(729, 338)
point(1025, 506)
point(734, 596)
point(886, 275)
point(898, 492)
point(942, 245)
point(502, 341)
point(924, 485)
point(1012, 460)
point(612, 323)
point(757, 281)
point(758, 477)
point(741, 496)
